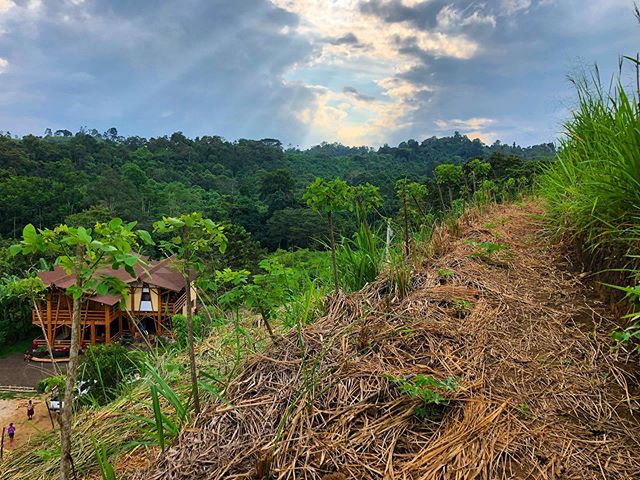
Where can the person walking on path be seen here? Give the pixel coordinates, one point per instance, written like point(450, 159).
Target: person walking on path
point(30, 410)
point(11, 431)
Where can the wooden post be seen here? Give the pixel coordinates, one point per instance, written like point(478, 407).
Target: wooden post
point(93, 330)
point(107, 325)
point(159, 321)
point(53, 426)
point(134, 331)
point(120, 322)
point(49, 329)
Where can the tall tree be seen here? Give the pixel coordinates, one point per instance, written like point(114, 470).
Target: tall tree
point(479, 171)
point(450, 175)
point(191, 235)
point(329, 197)
point(86, 254)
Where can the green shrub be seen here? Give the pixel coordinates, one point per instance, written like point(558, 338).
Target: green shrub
point(180, 329)
point(104, 367)
point(592, 191)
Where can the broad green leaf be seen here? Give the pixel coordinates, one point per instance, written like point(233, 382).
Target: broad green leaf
point(29, 234)
point(115, 223)
point(146, 237)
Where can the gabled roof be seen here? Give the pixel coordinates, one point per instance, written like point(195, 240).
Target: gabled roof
point(157, 273)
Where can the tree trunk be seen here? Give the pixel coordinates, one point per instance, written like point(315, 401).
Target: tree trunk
point(450, 195)
point(406, 221)
point(44, 334)
point(192, 353)
point(66, 462)
point(440, 195)
point(333, 252)
point(473, 176)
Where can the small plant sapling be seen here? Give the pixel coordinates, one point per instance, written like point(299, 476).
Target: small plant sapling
point(190, 236)
point(329, 198)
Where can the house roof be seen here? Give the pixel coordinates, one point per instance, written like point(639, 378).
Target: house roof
point(157, 273)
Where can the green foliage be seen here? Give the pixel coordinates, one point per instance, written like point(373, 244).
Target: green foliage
point(179, 323)
point(429, 390)
point(524, 410)
point(328, 196)
point(632, 332)
point(400, 274)
point(108, 244)
point(359, 259)
point(446, 273)
point(592, 191)
point(102, 457)
point(50, 384)
point(104, 368)
point(15, 312)
point(269, 290)
point(461, 305)
point(448, 174)
point(164, 425)
point(190, 235)
point(485, 250)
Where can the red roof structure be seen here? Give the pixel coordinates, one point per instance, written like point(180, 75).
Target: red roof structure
point(159, 273)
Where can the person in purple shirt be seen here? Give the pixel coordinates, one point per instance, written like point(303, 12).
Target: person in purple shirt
point(11, 431)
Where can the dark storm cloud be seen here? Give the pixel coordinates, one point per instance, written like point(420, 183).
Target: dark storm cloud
point(357, 95)
point(517, 77)
point(219, 66)
point(395, 11)
point(149, 68)
point(348, 39)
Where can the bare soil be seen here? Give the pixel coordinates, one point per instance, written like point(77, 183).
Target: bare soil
point(15, 411)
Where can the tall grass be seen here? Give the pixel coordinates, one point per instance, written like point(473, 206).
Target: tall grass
point(359, 259)
point(592, 191)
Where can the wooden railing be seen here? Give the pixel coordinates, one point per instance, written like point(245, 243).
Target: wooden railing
point(63, 317)
point(180, 302)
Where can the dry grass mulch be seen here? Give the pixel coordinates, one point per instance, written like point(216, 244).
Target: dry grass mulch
point(540, 392)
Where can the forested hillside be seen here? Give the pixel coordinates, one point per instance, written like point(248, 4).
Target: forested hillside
point(255, 184)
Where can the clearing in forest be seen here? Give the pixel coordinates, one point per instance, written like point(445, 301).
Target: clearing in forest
point(506, 345)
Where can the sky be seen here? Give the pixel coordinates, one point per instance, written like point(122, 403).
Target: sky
point(358, 72)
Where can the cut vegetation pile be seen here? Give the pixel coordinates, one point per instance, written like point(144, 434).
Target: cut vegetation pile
point(496, 365)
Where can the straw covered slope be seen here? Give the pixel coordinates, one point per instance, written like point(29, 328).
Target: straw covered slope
point(540, 392)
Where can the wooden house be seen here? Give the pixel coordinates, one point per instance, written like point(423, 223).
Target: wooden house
point(157, 293)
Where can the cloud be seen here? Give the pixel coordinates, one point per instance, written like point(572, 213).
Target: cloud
point(346, 39)
point(356, 94)
point(512, 6)
point(217, 66)
point(5, 5)
point(468, 124)
point(356, 71)
point(472, 127)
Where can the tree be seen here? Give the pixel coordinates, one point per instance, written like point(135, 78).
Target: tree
point(450, 175)
point(329, 197)
point(276, 189)
point(191, 236)
point(86, 254)
point(269, 290)
point(479, 170)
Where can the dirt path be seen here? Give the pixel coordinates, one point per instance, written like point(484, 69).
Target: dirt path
point(15, 371)
point(15, 410)
point(539, 392)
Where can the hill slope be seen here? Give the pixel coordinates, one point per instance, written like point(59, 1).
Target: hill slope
point(540, 395)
